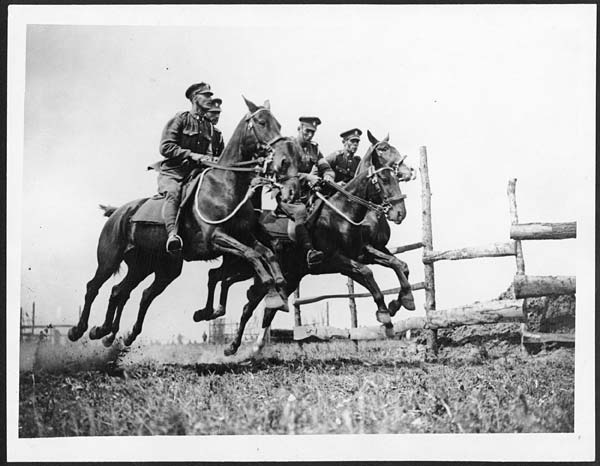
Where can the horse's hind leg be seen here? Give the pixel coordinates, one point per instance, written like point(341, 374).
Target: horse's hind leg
point(106, 267)
point(166, 271)
point(386, 259)
point(136, 274)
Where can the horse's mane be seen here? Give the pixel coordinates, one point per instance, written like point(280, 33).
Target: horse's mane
point(233, 148)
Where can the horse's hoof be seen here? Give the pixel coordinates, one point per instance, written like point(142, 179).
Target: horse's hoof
point(389, 332)
point(74, 334)
point(218, 313)
point(201, 315)
point(96, 333)
point(273, 301)
point(407, 301)
point(230, 350)
point(128, 340)
point(393, 307)
point(384, 318)
point(108, 340)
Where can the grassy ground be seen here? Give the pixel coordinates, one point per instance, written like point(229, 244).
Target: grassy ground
point(379, 387)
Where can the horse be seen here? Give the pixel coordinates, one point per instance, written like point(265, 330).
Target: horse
point(219, 219)
point(376, 235)
point(338, 232)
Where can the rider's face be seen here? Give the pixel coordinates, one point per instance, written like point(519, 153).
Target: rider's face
point(306, 133)
point(202, 100)
point(351, 145)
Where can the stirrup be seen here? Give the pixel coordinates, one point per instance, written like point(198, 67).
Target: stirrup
point(174, 244)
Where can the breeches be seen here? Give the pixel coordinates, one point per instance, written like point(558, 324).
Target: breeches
point(169, 183)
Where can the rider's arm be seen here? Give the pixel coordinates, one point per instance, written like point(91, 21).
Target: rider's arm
point(323, 168)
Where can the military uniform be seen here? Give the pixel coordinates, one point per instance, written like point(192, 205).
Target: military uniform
point(343, 164)
point(185, 135)
point(341, 161)
point(311, 162)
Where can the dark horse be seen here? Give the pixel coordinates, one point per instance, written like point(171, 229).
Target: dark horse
point(339, 231)
point(220, 220)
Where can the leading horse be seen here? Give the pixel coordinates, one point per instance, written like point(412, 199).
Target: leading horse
point(375, 234)
point(338, 231)
point(220, 220)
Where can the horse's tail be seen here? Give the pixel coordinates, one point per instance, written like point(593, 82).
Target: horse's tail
point(108, 209)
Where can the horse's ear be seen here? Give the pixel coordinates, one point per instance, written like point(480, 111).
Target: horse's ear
point(251, 106)
point(267, 104)
point(387, 138)
point(372, 138)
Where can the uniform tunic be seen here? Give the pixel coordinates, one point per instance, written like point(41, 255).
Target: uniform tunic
point(343, 165)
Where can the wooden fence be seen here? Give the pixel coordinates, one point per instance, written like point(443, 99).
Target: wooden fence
point(495, 311)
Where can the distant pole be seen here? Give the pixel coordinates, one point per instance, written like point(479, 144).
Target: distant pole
point(21, 325)
point(327, 313)
point(427, 247)
point(79, 315)
point(297, 318)
point(353, 316)
point(33, 318)
point(514, 219)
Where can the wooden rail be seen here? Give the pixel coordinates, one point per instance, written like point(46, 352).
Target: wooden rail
point(529, 231)
point(314, 299)
point(532, 337)
point(406, 247)
point(527, 286)
point(488, 312)
point(490, 250)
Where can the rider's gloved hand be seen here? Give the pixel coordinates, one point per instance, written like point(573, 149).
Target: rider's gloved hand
point(328, 177)
point(200, 158)
point(311, 179)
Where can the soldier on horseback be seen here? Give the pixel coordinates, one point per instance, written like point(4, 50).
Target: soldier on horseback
point(344, 162)
point(311, 169)
point(188, 139)
point(213, 114)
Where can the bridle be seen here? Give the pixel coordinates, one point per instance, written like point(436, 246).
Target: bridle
point(373, 175)
point(266, 150)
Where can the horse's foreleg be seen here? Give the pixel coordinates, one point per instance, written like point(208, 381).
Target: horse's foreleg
point(255, 295)
point(363, 275)
point(166, 271)
point(243, 273)
point(214, 276)
point(269, 315)
point(224, 243)
point(386, 259)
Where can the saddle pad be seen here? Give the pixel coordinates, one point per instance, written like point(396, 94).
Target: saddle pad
point(278, 227)
point(151, 211)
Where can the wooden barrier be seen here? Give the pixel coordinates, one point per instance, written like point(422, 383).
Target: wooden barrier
point(535, 231)
point(491, 250)
point(527, 286)
point(314, 299)
point(488, 312)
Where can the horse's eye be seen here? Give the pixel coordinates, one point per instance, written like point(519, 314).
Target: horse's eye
point(262, 122)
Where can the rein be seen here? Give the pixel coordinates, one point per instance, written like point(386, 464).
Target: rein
point(372, 175)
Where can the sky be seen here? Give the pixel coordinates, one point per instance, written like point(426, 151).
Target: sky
point(492, 92)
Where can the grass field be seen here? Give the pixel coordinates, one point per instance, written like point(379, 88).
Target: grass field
point(379, 387)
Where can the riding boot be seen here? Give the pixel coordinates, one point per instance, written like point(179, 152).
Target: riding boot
point(313, 256)
point(170, 213)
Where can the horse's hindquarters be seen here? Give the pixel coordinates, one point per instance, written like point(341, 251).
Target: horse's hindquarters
point(149, 236)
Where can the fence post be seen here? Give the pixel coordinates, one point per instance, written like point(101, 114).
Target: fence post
point(427, 247)
point(353, 316)
point(520, 261)
point(33, 318)
point(297, 318)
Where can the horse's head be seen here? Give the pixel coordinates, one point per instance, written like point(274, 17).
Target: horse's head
point(383, 185)
point(391, 157)
point(264, 139)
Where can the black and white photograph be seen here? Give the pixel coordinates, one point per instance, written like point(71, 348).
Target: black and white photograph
point(301, 232)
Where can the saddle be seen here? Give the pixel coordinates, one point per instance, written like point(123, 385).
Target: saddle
point(151, 211)
point(281, 227)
